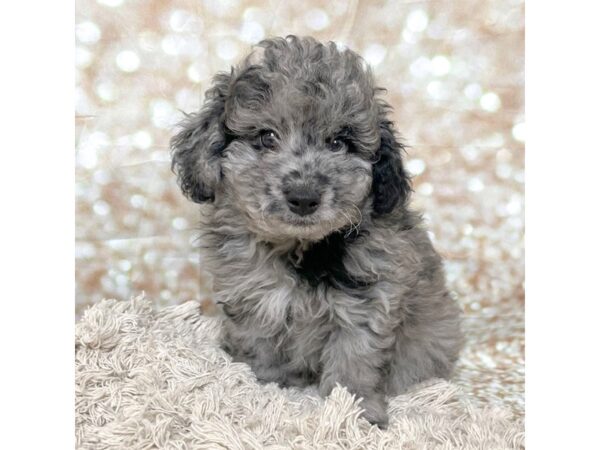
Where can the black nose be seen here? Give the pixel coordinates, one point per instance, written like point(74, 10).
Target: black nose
point(303, 201)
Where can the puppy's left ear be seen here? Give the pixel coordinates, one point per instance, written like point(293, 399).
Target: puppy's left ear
point(391, 184)
point(197, 148)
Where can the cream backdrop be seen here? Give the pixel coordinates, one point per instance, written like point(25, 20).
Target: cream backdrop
point(454, 73)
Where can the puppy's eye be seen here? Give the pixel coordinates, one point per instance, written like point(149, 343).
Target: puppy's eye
point(337, 145)
point(268, 139)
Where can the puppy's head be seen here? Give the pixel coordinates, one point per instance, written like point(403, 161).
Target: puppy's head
point(296, 140)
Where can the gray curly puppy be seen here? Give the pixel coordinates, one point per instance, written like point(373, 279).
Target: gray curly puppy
point(324, 273)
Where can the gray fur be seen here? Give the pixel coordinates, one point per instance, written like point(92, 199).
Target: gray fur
point(376, 316)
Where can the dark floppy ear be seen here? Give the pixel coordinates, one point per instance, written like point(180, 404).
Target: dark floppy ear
point(197, 148)
point(391, 184)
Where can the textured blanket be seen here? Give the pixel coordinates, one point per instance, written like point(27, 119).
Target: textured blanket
point(158, 379)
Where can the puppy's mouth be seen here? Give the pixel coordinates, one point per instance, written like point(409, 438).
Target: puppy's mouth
point(278, 219)
point(299, 221)
point(283, 215)
point(295, 224)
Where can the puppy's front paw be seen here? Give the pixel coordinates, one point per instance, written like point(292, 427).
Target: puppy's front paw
point(375, 410)
point(373, 404)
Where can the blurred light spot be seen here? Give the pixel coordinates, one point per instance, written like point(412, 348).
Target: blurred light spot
point(437, 30)
point(186, 100)
point(473, 91)
point(227, 49)
point(106, 91)
point(503, 171)
point(515, 205)
point(179, 223)
point(425, 189)
point(142, 140)
point(82, 102)
point(256, 14)
point(440, 65)
point(111, 3)
point(87, 155)
point(131, 219)
point(172, 44)
point(417, 20)
point(504, 155)
point(84, 250)
point(493, 140)
point(409, 37)
point(516, 252)
point(181, 21)
point(128, 61)
point(148, 41)
point(124, 265)
point(162, 113)
point(252, 32)
point(491, 253)
point(490, 102)
point(374, 54)
point(161, 155)
point(121, 280)
point(101, 208)
point(461, 69)
point(435, 89)
point(339, 7)
point(150, 257)
point(87, 32)
point(316, 19)
point(518, 132)
point(197, 72)
point(83, 57)
point(415, 166)
point(421, 67)
point(137, 201)
point(124, 141)
point(519, 176)
point(444, 157)
point(221, 7)
point(475, 185)
point(470, 152)
point(101, 177)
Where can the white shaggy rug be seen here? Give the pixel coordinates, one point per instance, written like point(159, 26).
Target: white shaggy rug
point(157, 379)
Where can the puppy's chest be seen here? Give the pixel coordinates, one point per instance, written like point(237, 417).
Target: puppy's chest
point(293, 291)
point(321, 264)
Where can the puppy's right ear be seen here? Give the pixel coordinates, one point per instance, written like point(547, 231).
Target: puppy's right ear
point(197, 149)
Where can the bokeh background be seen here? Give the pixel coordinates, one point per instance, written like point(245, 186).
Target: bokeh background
point(454, 71)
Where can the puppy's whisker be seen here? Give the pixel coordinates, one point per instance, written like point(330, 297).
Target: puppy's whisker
point(360, 216)
point(349, 219)
point(353, 226)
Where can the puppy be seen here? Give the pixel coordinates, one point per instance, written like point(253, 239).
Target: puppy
point(324, 273)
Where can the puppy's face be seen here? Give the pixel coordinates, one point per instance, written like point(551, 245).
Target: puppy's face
point(297, 164)
point(295, 141)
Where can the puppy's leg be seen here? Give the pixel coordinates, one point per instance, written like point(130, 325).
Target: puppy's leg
point(425, 349)
point(259, 353)
point(267, 362)
point(354, 357)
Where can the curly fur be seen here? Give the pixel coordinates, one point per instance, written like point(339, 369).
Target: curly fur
point(353, 293)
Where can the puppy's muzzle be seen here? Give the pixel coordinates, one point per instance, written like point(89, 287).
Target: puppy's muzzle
point(303, 200)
